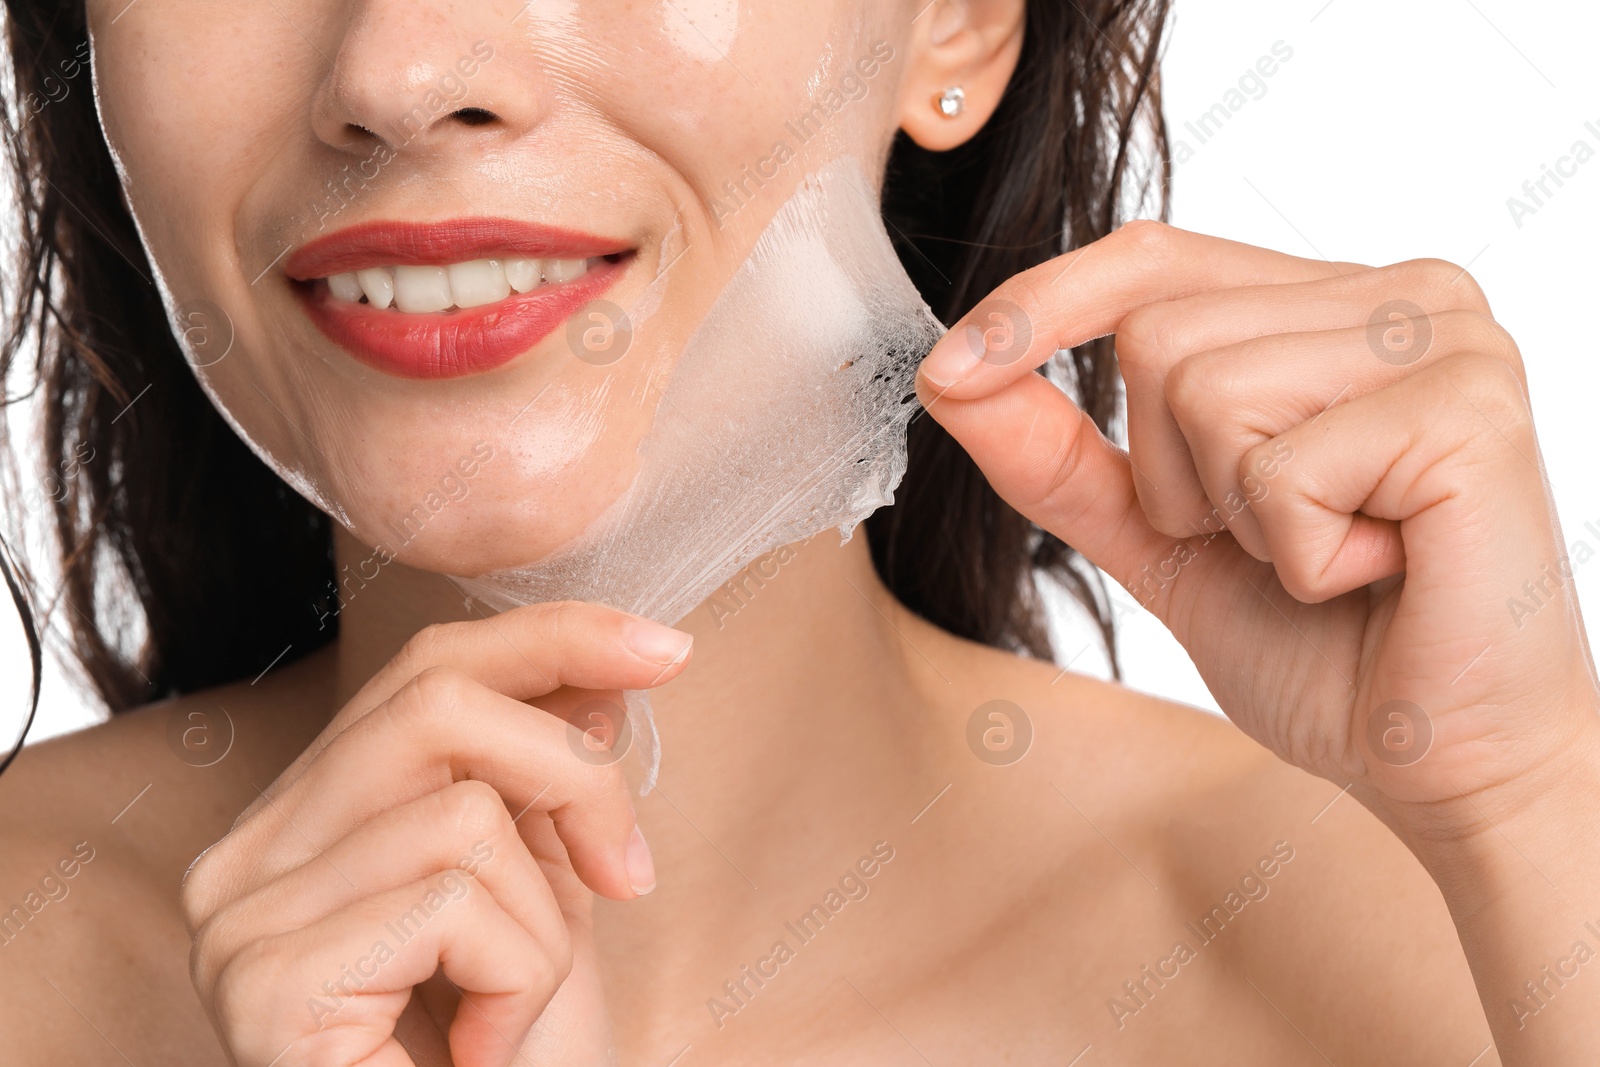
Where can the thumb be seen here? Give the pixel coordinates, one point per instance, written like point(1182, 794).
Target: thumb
point(1047, 459)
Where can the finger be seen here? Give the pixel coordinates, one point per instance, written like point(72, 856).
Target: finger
point(331, 992)
point(1415, 462)
point(1086, 294)
point(463, 827)
point(1047, 459)
point(441, 728)
point(1231, 399)
point(526, 652)
point(1157, 339)
point(529, 651)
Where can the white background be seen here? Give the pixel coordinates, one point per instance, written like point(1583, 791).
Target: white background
point(1397, 130)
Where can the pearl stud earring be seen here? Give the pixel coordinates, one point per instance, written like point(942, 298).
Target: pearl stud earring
point(951, 102)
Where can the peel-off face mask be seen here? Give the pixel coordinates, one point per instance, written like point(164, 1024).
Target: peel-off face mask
point(565, 301)
point(785, 415)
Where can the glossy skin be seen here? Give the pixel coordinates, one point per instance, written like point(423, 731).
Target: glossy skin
point(820, 724)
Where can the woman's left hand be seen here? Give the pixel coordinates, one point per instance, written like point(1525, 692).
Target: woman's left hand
point(1333, 497)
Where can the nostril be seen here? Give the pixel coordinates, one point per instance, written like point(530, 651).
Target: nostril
point(473, 116)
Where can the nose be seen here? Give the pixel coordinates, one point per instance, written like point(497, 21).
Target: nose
point(423, 78)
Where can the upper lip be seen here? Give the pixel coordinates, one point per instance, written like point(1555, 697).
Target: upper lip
point(384, 244)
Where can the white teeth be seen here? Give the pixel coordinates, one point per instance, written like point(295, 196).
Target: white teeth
point(522, 274)
point(345, 287)
point(419, 290)
point(564, 270)
point(423, 289)
point(378, 284)
point(478, 282)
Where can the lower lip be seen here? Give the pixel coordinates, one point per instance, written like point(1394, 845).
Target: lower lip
point(451, 344)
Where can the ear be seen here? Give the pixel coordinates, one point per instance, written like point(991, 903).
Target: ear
point(971, 44)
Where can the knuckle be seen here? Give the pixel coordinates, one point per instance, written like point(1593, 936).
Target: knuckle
point(563, 618)
point(1147, 235)
point(1144, 337)
point(1467, 293)
point(558, 957)
point(439, 690)
point(450, 882)
point(242, 982)
point(429, 645)
point(1475, 332)
point(1495, 390)
point(1299, 580)
point(1302, 572)
point(560, 622)
point(1182, 518)
point(1488, 378)
point(198, 896)
point(1262, 463)
point(550, 965)
point(210, 951)
point(429, 706)
point(475, 810)
point(1194, 385)
point(1451, 282)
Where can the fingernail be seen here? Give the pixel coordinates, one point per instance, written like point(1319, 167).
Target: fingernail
point(654, 643)
point(956, 356)
point(641, 868)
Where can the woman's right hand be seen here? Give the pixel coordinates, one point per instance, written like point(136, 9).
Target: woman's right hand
point(438, 824)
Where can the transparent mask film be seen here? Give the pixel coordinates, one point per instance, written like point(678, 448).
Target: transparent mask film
point(638, 377)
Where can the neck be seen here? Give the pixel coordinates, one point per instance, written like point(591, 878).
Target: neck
point(797, 733)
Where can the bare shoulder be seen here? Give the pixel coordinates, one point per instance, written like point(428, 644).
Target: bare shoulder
point(152, 782)
point(96, 831)
point(1276, 885)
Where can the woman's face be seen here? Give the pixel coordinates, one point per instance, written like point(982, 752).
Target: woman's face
point(435, 259)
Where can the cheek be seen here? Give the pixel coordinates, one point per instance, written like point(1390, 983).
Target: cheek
point(742, 99)
point(195, 99)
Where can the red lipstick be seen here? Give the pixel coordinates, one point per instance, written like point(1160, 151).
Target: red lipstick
point(458, 341)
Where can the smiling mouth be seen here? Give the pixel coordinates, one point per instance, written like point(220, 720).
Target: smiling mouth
point(442, 300)
point(416, 290)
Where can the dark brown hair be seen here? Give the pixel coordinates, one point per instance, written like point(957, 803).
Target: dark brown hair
point(147, 488)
